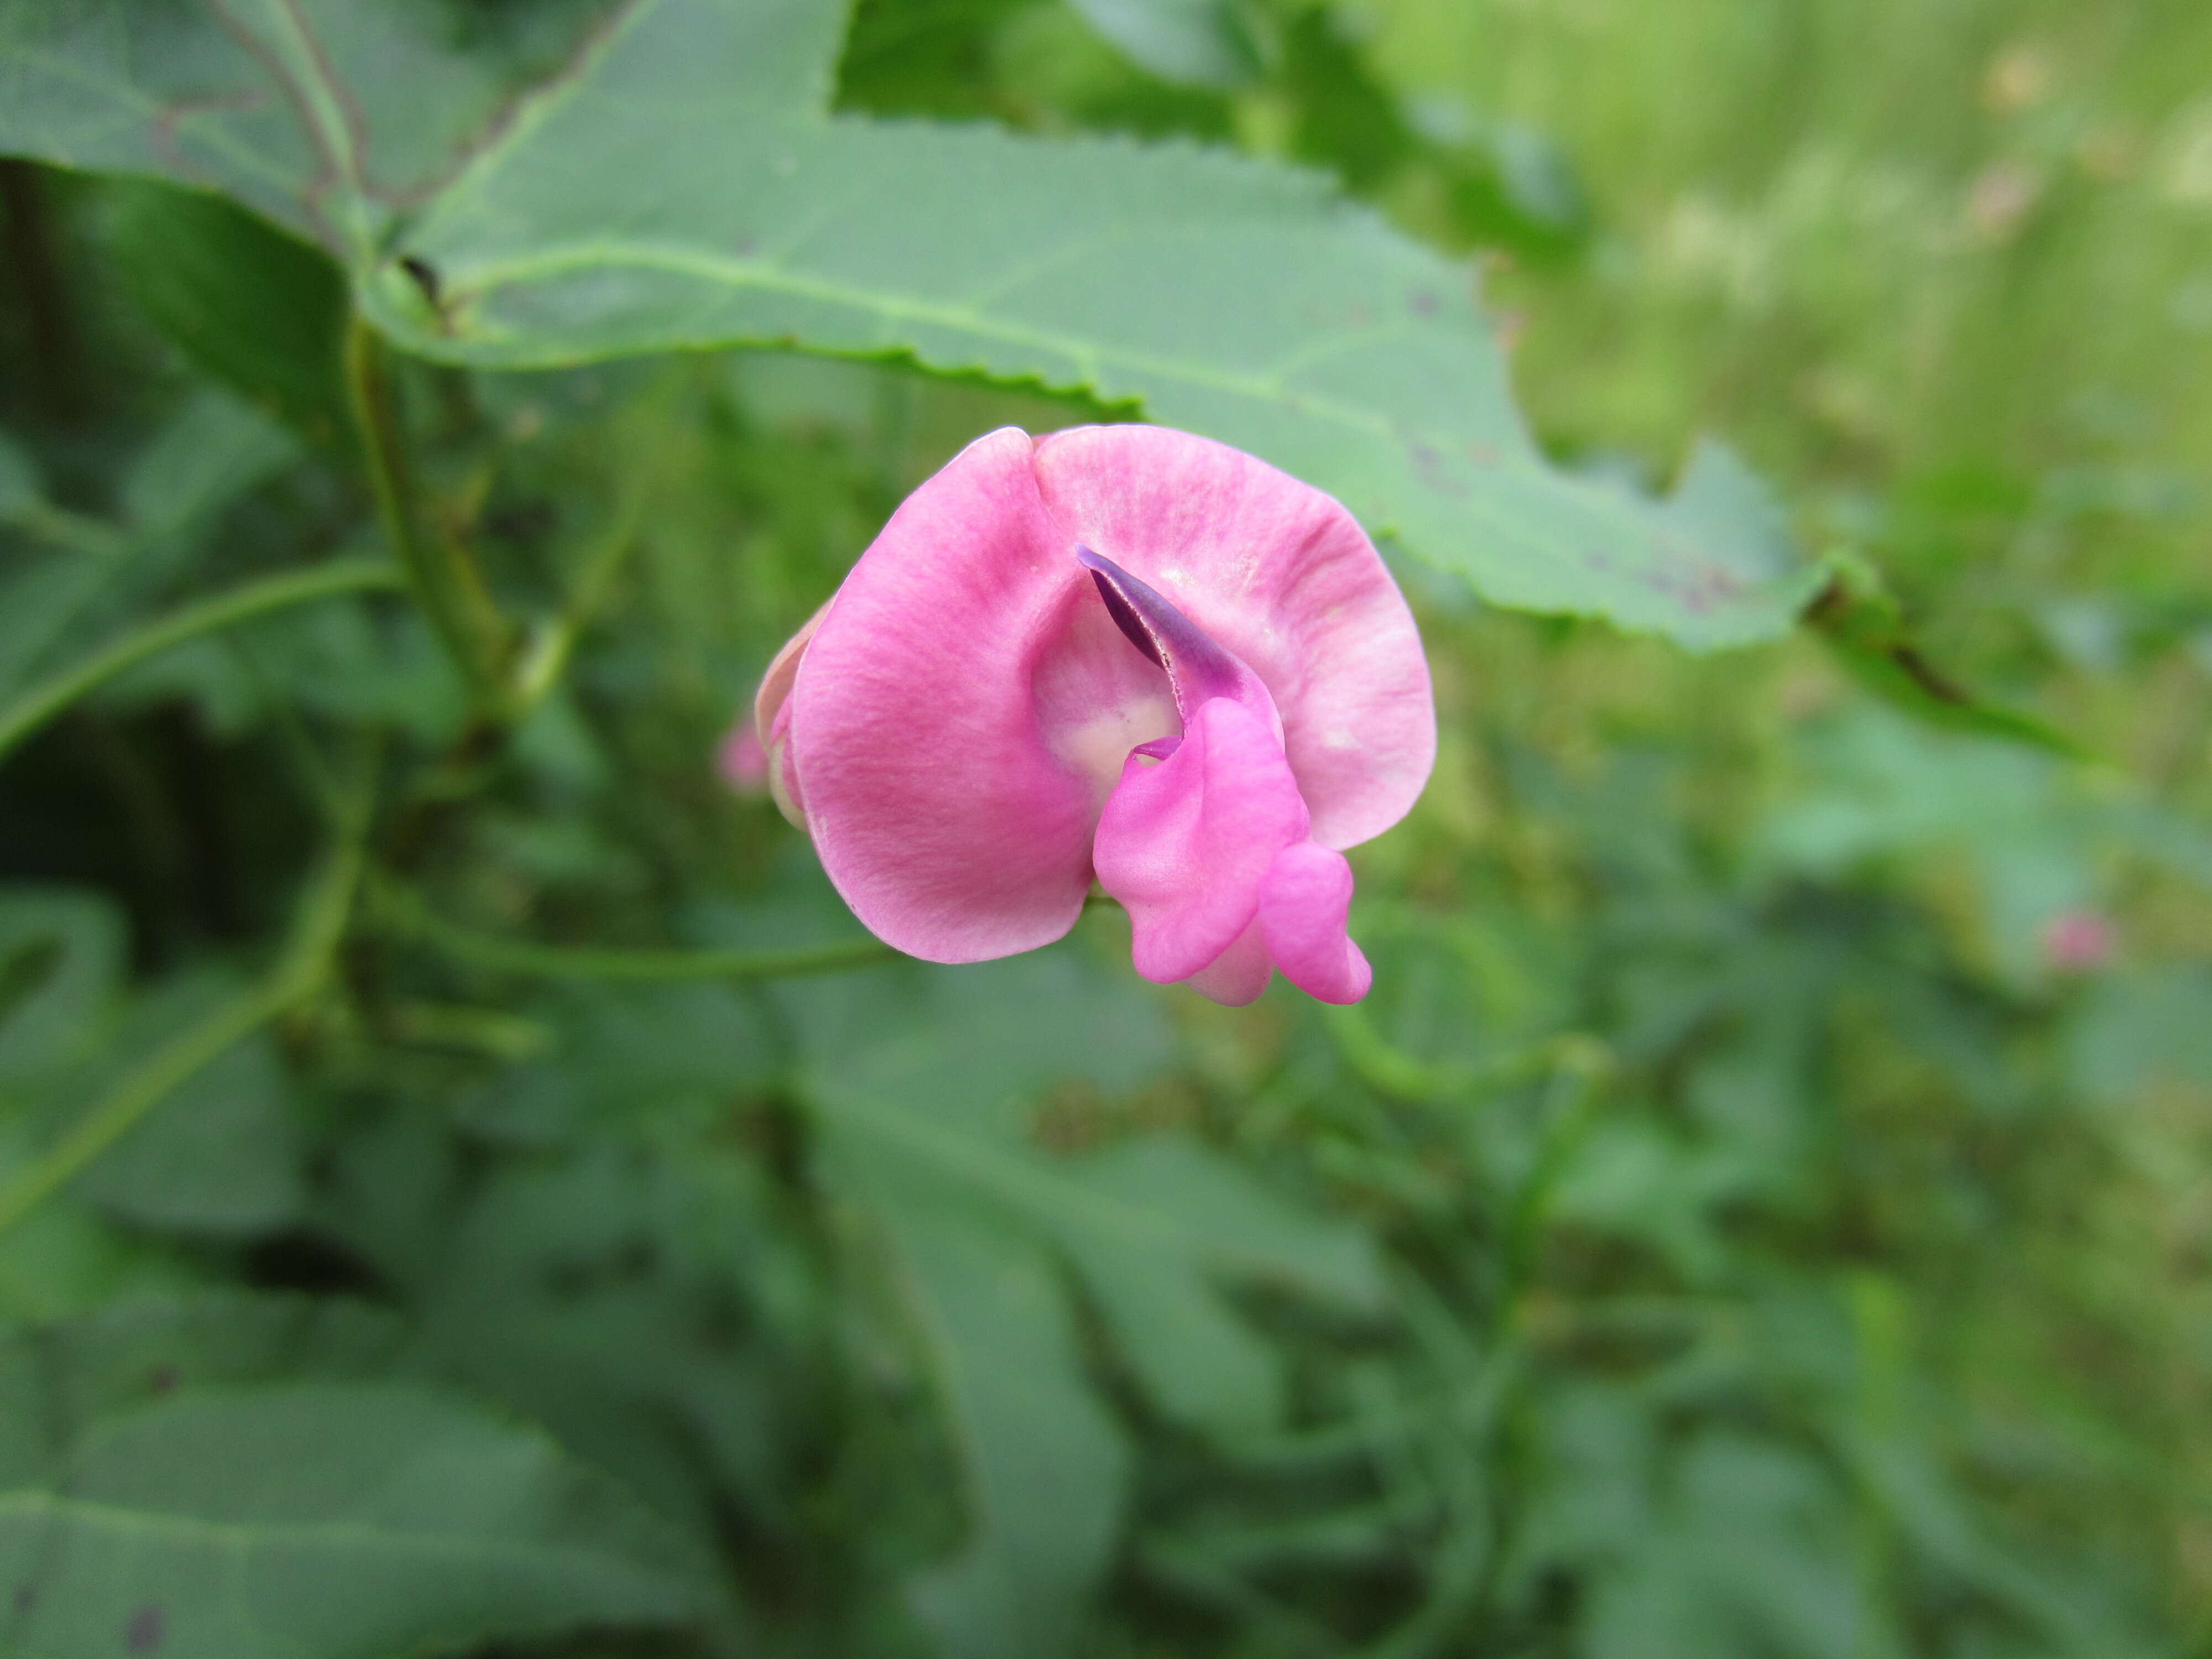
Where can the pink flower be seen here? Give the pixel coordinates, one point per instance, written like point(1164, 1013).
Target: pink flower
point(2080, 940)
point(742, 761)
point(1116, 651)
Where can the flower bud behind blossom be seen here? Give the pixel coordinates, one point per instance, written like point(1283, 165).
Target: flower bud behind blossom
point(2080, 941)
point(742, 761)
point(1117, 652)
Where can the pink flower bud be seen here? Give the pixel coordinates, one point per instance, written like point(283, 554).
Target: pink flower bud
point(2080, 940)
point(1115, 652)
point(742, 761)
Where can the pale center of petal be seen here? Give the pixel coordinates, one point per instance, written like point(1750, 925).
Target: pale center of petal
point(1095, 696)
point(1097, 745)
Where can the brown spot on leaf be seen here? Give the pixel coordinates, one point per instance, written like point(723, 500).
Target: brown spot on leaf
point(161, 1378)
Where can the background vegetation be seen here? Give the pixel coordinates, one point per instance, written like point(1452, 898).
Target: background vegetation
point(1764, 1209)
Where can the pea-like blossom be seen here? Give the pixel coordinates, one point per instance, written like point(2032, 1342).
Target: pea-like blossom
point(1117, 653)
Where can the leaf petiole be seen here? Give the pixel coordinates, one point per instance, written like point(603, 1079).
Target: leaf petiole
point(316, 927)
point(446, 581)
point(407, 916)
point(20, 718)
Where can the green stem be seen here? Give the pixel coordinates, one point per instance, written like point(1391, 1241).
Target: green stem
point(60, 527)
point(316, 929)
point(445, 582)
point(20, 718)
point(411, 918)
point(548, 658)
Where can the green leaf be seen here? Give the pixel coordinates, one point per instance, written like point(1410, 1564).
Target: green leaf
point(213, 450)
point(616, 1297)
point(21, 491)
point(925, 1079)
point(1046, 1471)
point(1169, 1223)
point(210, 450)
point(673, 182)
point(61, 963)
point(1863, 620)
point(973, 1046)
point(1752, 1555)
point(220, 1155)
point(938, 1071)
point(2143, 1030)
point(65, 1259)
point(261, 312)
point(58, 1380)
point(312, 1519)
point(1196, 42)
point(335, 658)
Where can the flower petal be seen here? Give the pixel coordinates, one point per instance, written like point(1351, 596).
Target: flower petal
point(1185, 844)
point(1239, 974)
point(1282, 577)
point(1196, 666)
point(936, 801)
point(770, 718)
point(1302, 903)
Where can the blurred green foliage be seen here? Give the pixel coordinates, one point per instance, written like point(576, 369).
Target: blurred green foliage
point(1764, 1210)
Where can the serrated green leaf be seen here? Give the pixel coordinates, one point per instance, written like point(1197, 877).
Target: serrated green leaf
point(309, 1519)
point(674, 183)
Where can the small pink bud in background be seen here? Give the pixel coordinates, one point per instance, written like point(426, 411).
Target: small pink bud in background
point(743, 762)
point(2080, 940)
point(1118, 652)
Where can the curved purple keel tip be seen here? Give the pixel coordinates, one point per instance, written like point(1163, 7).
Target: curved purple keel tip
point(1197, 667)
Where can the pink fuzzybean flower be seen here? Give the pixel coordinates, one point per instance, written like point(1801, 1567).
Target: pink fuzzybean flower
point(2081, 940)
point(1118, 652)
point(742, 761)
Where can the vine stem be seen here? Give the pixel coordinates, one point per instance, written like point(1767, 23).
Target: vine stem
point(446, 581)
point(316, 927)
point(547, 658)
point(20, 718)
point(409, 917)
